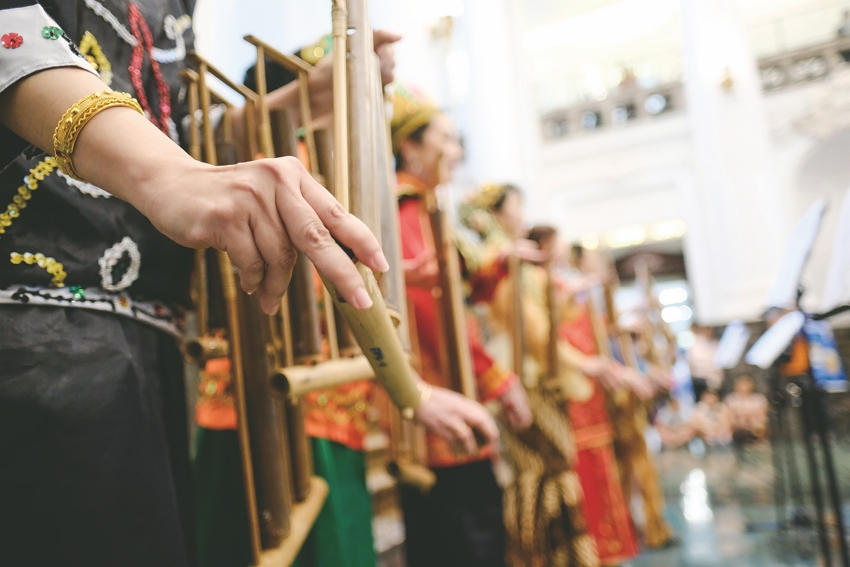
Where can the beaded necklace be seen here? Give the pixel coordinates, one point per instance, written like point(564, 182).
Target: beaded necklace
point(144, 43)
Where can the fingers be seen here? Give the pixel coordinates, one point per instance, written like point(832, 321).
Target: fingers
point(480, 419)
point(464, 438)
point(346, 228)
point(279, 255)
point(247, 260)
point(383, 37)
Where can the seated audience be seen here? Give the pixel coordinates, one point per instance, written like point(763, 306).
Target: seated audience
point(711, 420)
point(673, 425)
point(748, 411)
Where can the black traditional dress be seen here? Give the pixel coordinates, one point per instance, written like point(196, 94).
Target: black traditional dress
point(94, 464)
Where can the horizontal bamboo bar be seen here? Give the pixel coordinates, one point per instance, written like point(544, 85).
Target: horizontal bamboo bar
point(295, 381)
point(302, 519)
point(290, 62)
point(412, 474)
point(202, 349)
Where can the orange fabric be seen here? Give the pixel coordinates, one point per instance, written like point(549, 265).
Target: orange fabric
point(799, 362)
point(337, 414)
point(605, 507)
point(492, 381)
point(578, 331)
point(215, 408)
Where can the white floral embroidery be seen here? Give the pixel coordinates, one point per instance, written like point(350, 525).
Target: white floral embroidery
point(174, 29)
point(87, 188)
point(111, 258)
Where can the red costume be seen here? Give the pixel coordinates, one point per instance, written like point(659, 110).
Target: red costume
point(492, 380)
point(606, 509)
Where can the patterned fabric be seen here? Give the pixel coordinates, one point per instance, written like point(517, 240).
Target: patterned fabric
point(339, 414)
point(636, 465)
point(103, 244)
point(492, 381)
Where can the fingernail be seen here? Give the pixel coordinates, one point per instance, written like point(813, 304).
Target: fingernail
point(362, 299)
point(379, 261)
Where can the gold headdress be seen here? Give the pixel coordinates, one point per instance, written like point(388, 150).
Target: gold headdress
point(409, 114)
point(475, 210)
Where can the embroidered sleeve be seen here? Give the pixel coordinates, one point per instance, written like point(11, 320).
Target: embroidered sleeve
point(30, 41)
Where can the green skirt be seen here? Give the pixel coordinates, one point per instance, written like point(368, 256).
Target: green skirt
point(341, 536)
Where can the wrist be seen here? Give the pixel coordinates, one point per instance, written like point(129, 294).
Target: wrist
point(155, 186)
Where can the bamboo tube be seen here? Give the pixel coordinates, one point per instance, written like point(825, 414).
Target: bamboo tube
point(517, 327)
point(204, 348)
point(299, 446)
point(412, 474)
point(295, 381)
point(454, 343)
point(362, 159)
point(324, 165)
point(377, 338)
point(554, 322)
point(266, 425)
point(339, 27)
point(230, 294)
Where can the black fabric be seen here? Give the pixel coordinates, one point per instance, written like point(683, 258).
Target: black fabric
point(95, 467)
point(74, 228)
point(276, 75)
point(459, 523)
point(700, 386)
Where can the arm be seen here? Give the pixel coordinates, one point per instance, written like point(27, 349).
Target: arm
point(257, 212)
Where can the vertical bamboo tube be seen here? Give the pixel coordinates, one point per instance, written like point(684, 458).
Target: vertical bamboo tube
point(517, 325)
point(228, 281)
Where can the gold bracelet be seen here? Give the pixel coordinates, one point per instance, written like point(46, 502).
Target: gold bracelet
point(72, 123)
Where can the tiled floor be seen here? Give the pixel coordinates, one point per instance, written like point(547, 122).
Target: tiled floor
point(721, 504)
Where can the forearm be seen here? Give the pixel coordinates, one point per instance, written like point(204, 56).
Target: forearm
point(119, 150)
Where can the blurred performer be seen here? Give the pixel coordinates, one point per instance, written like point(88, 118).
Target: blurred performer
point(606, 509)
point(459, 523)
point(544, 503)
point(627, 408)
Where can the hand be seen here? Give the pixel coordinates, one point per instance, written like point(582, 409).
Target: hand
point(422, 271)
point(260, 212)
point(385, 49)
point(636, 382)
point(515, 407)
point(595, 366)
point(453, 417)
point(528, 251)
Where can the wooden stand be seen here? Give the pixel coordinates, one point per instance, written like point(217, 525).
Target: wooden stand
point(302, 518)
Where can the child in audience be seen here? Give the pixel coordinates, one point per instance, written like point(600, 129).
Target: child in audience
point(748, 411)
point(712, 420)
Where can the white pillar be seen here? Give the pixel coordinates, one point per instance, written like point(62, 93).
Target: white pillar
point(734, 212)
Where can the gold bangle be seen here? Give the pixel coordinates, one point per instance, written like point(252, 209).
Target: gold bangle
point(72, 123)
point(425, 391)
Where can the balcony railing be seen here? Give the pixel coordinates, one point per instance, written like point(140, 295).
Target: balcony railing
point(631, 105)
point(803, 65)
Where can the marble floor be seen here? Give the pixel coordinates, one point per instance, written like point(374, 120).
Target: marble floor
point(722, 505)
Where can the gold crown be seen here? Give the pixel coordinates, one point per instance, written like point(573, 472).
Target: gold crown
point(489, 194)
point(409, 114)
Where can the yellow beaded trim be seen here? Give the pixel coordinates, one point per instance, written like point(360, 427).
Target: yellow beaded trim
point(73, 121)
point(13, 210)
point(54, 268)
point(90, 48)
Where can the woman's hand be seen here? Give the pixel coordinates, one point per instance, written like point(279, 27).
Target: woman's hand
point(260, 212)
point(454, 417)
point(422, 271)
point(515, 407)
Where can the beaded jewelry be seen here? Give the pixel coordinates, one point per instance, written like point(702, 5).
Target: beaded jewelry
point(144, 43)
